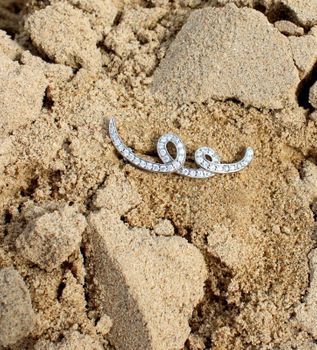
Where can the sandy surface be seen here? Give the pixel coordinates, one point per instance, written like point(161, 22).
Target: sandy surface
point(96, 254)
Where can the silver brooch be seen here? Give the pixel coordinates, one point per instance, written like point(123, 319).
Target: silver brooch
point(206, 167)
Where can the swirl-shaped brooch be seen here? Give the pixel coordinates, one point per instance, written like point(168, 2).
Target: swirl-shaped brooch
point(206, 167)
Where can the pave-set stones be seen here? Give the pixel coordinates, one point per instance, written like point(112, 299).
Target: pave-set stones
point(171, 163)
point(221, 168)
point(207, 168)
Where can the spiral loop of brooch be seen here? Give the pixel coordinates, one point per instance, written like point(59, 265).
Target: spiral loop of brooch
point(206, 158)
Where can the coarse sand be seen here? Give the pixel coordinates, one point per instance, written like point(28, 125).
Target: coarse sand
point(97, 254)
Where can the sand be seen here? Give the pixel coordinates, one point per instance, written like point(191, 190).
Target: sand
point(97, 254)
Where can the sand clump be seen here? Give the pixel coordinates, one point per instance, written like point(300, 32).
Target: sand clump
point(159, 280)
point(9, 47)
point(205, 53)
point(54, 31)
point(304, 53)
point(164, 228)
point(138, 25)
point(49, 239)
point(117, 195)
point(289, 28)
point(101, 14)
point(20, 83)
point(16, 313)
point(231, 250)
point(104, 324)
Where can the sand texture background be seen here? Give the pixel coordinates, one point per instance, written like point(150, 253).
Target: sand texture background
point(97, 254)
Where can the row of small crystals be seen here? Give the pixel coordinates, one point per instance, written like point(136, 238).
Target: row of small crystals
point(215, 165)
point(208, 168)
point(197, 173)
point(126, 152)
point(164, 153)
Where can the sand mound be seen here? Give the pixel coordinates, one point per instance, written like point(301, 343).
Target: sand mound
point(228, 53)
point(159, 280)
